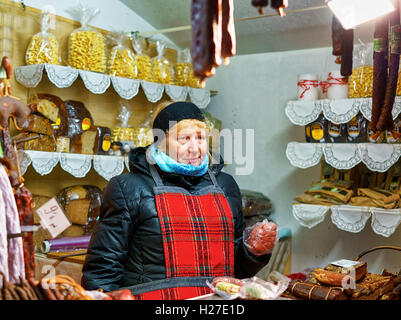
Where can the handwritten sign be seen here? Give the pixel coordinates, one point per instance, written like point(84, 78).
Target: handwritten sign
point(52, 217)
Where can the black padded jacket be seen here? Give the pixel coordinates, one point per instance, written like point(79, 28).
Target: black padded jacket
point(126, 244)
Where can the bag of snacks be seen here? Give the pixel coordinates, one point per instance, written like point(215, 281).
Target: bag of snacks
point(43, 47)
point(360, 83)
point(254, 288)
point(144, 134)
point(162, 70)
point(183, 68)
point(123, 132)
point(86, 46)
point(122, 59)
point(141, 58)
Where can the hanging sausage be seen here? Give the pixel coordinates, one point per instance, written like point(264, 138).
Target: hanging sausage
point(337, 32)
point(260, 4)
point(279, 5)
point(228, 41)
point(385, 121)
point(14, 108)
point(347, 49)
point(380, 64)
point(206, 16)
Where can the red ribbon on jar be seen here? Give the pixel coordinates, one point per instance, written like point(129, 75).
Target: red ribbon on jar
point(333, 81)
point(307, 85)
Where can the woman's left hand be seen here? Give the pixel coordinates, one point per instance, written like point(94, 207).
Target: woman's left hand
point(262, 238)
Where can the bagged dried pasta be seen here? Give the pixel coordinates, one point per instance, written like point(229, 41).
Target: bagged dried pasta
point(162, 70)
point(360, 83)
point(86, 46)
point(183, 68)
point(142, 59)
point(121, 61)
point(43, 47)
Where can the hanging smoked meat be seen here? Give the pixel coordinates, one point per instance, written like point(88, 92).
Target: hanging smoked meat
point(260, 4)
point(206, 16)
point(385, 121)
point(347, 49)
point(337, 32)
point(13, 107)
point(279, 5)
point(380, 64)
point(228, 41)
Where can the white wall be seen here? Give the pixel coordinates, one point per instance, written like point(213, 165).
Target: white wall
point(252, 93)
point(113, 16)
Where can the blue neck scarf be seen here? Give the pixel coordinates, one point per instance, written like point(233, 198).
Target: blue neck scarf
point(168, 164)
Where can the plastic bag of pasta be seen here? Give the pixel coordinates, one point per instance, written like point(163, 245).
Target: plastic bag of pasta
point(360, 83)
point(121, 61)
point(183, 68)
point(162, 69)
point(86, 46)
point(44, 47)
point(142, 59)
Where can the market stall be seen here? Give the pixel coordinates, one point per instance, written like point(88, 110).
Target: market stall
point(76, 100)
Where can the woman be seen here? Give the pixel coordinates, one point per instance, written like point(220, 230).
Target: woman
point(173, 222)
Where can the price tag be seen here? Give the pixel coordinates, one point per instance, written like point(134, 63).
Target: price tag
point(53, 218)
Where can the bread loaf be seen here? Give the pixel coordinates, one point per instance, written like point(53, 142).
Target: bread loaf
point(84, 142)
point(103, 140)
point(38, 201)
point(38, 142)
point(46, 105)
point(360, 270)
point(74, 231)
point(74, 119)
point(38, 124)
point(79, 212)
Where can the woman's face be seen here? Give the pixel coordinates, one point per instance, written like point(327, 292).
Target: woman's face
point(187, 145)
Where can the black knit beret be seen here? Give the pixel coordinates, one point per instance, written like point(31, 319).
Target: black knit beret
point(174, 113)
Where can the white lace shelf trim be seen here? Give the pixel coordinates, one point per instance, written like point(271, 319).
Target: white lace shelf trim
point(97, 83)
point(337, 111)
point(75, 164)
point(344, 156)
point(352, 219)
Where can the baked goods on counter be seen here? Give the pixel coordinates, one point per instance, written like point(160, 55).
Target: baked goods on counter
point(345, 280)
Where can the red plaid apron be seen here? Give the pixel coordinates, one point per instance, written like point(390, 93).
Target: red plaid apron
point(198, 240)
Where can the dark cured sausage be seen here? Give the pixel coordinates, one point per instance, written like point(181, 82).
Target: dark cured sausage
point(386, 119)
point(347, 49)
point(337, 32)
point(228, 41)
point(206, 18)
point(279, 5)
point(260, 4)
point(380, 64)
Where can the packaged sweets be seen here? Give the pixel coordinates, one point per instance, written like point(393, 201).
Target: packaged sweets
point(357, 129)
point(254, 288)
point(123, 132)
point(183, 68)
point(43, 47)
point(315, 131)
point(144, 66)
point(162, 70)
point(86, 46)
point(121, 61)
point(361, 80)
point(336, 133)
